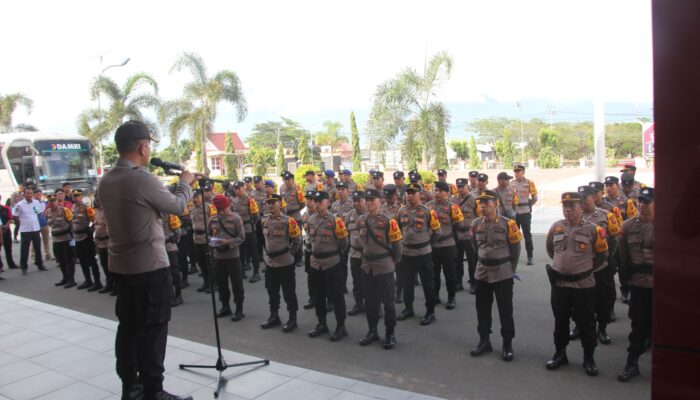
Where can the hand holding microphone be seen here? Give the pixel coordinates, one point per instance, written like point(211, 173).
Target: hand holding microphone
point(185, 176)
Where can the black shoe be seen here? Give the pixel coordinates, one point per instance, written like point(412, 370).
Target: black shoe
point(224, 312)
point(631, 370)
point(438, 300)
point(558, 359)
point(272, 320)
point(13, 266)
point(62, 282)
point(603, 337)
point(95, 287)
point(589, 366)
point(529, 261)
point(42, 268)
point(472, 288)
point(574, 333)
point(70, 285)
point(484, 346)
point(246, 267)
point(107, 289)
point(389, 342)
point(406, 314)
point(626, 298)
point(613, 317)
point(507, 352)
point(2, 279)
point(203, 288)
point(340, 332)
point(163, 395)
point(85, 285)
point(291, 324)
point(177, 301)
point(428, 319)
point(319, 330)
point(24, 272)
point(238, 314)
point(451, 303)
point(133, 393)
point(356, 309)
point(254, 278)
point(369, 338)
point(309, 304)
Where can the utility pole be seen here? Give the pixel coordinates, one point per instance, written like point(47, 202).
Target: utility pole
point(99, 110)
point(599, 138)
point(522, 136)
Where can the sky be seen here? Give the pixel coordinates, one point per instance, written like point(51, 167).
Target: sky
point(313, 61)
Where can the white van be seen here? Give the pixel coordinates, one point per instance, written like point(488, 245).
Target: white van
point(49, 159)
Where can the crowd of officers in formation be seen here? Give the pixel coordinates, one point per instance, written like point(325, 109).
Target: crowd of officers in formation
point(390, 237)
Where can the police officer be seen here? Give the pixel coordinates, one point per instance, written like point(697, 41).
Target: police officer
point(228, 235)
point(329, 238)
point(185, 248)
point(420, 226)
point(467, 204)
point(635, 186)
point(102, 244)
point(310, 210)
point(377, 182)
point(497, 242)
point(445, 248)
point(575, 246)
point(442, 177)
point(282, 248)
point(400, 183)
point(603, 272)
point(340, 208)
point(628, 210)
point(425, 193)
point(260, 196)
point(329, 185)
point(355, 252)
point(481, 185)
point(292, 196)
point(311, 183)
point(474, 183)
point(59, 218)
point(506, 195)
point(248, 186)
point(390, 208)
point(380, 241)
point(527, 196)
point(84, 245)
point(172, 232)
point(249, 212)
point(637, 248)
point(345, 176)
point(199, 237)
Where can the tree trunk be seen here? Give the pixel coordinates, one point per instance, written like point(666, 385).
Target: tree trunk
point(205, 164)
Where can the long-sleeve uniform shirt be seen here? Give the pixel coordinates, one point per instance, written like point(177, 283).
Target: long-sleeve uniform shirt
point(59, 219)
point(576, 250)
point(351, 222)
point(329, 237)
point(419, 226)
point(637, 248)
point(231, 233)
point(342, 208)
point(508, 199)
point(248, 210)
point(498, 245)
point(526, 193)
point(172, 229)
point(450, 218)
point(82, 216)
point(625, 205)
point(198, 224)
point(100, 225)
point(467, 205)
point(294, 199)
point(380, 240)
point(282, 240)
point(606, 221)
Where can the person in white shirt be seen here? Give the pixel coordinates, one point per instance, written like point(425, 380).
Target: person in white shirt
point(27, 211)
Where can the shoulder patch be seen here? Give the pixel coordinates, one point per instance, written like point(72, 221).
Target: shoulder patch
point(69, 214)
point(394, 231)
point(600, 245)
point(631, 209)
point(253, 205)
point(434, 221)
point(457, 215)
point(90, 213)
point(293, 227)
point(613, 226)
point(514, 235)
point(341, 232)
point(533, 189)
point(174, 221)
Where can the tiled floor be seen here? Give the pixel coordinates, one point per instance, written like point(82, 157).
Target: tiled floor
point(53, 353)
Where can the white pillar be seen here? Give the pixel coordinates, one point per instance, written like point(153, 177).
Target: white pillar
point(599, 139)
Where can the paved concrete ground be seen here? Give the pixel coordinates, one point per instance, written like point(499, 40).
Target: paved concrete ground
point(431, 360)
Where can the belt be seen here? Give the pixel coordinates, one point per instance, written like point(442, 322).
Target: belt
point(200, 231)
point(642, 268)
point(102, 238)
point(374, 257)
point(328, 254)
point(60, 233)
point(417, 245)
point(291, 211)
point(567, 277)
point(461, 228)
point(278, 253)
point(80, 232)
point(445, 237)
point(493, 262)
point(523, 204)
point(356, 248)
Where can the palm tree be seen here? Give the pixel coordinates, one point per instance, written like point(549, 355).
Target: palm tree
point(331, 136)
point(125, 103)
point(8, 105)
point(404, 107)
point(196, 110)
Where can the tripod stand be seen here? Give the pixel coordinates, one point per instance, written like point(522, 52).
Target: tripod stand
point(220, 364)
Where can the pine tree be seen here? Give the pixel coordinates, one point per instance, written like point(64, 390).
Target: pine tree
point(355, 139)
point(304, 155)
point(474, 161)
point(279, 161)
point(230, 158)
point(441, 156)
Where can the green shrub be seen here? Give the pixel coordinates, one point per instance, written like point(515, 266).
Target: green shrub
point(361, 178)
point(299, 174)
point(428, 177)
point(548, 158)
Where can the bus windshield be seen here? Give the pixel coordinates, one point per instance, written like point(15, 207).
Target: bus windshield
point(65, 159)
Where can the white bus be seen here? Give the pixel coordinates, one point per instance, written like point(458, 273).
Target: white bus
point(47, 158)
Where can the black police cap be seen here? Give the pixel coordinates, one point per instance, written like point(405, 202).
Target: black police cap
point(462, 182)
point(473, 174)
point(247, 179)
point(318, 196)
point(442, 172)
point(358, 194)
point(609, 180)
point(130, 131)
point(483, 177)
point(372, 194)
point(389, 189)
point(598, 186)
point(646, 194)
point(443, 186)
point(587, 190)
point(398, 175)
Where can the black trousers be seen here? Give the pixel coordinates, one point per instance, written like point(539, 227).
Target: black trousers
point(444, 260)
point(579, 304)
point(344, 266)
point(7, 245)
point(33, 238)
point(421, 265)
point(328, 283)
point(143, 310)
point(641, 301)
point(175, 273)
point(605, 294)
point(623, 273)
point(200, 256)
point(307, 269)
point(379, 289)
point(260, 239)
point(357, 282)
point(65, 260)
point(249, 251)
point(503, 291)
point(86, 256)
point(185, 254)
point(465, 247)
point(229, 269)
point(524, 222)
point(103, 254)
point(284, 278)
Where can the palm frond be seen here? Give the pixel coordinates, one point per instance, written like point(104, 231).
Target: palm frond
point(233, 92)
point(194, 63)
point(144, 101)
point(103, 85)
point(134, 82)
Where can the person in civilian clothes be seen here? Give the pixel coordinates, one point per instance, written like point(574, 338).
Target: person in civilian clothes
point(45, 237)
point(27, 211)
point(467, 204)
point(102, 244)
point(84, 244)
point(59, 218)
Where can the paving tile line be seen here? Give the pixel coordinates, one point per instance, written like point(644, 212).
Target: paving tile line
point(348, 389)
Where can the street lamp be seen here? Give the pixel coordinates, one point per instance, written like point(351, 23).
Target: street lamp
point(99, 109)
point(522, 139)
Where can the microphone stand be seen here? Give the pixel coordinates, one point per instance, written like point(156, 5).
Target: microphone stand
point(221, 364)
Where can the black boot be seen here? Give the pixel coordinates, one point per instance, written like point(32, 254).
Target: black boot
point(95, 286)
point(406, 314)
point(484, 346)
point(340, 332)
point(224, 312)
point(574, 333)
point(291, 324)
point(529, 260)
point(272, 320)
point(370, 337)
point(62, 282)
point(613, 317)
point(238, 314)
point(309, 304)
point(70, 284)
point(255, 277)
point(507, 350)
point(428, 318)
point(603, 337)
point(631, 369)
point(589, 366)
point(558, 359)
point(358, 308)
point(625, 296)
point(163, 395)
point(451, 303)
point(85, 285)
point(320, 329)
point(109, 287)
point(389, 339)
point(133, 392)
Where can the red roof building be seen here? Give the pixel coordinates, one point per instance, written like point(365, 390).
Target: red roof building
point(216, 150)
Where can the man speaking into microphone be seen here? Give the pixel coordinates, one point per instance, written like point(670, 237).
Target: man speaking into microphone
point(133, 200)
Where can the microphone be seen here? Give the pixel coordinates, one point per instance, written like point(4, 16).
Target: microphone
point(166, 165)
